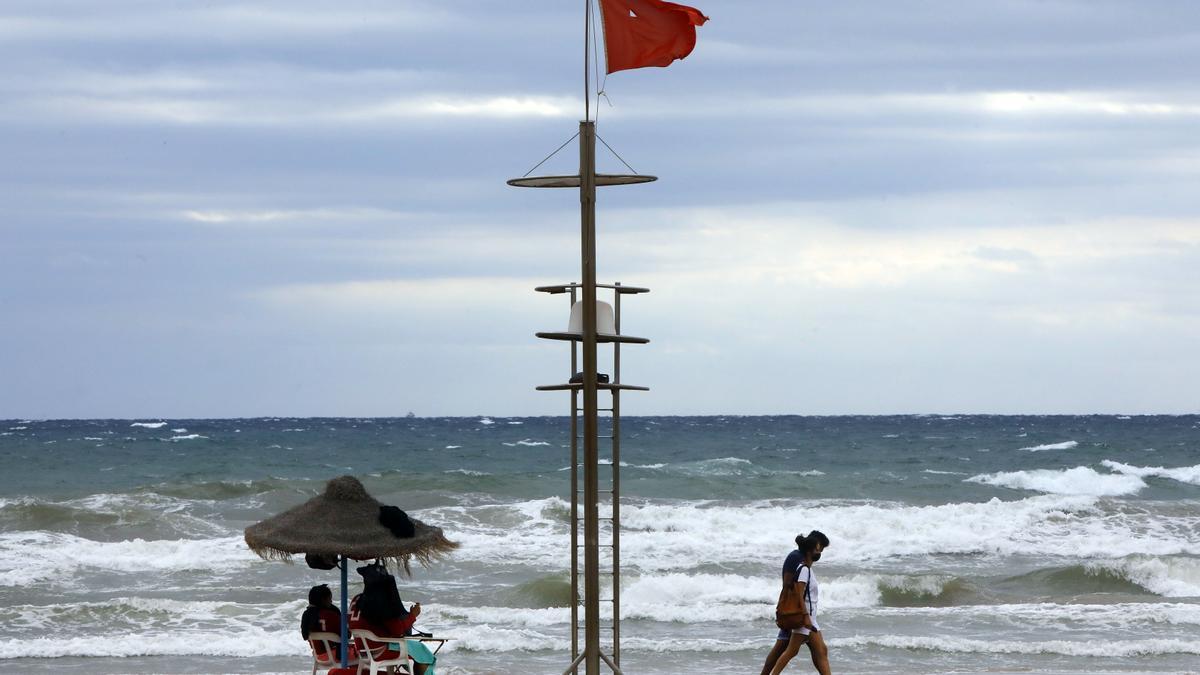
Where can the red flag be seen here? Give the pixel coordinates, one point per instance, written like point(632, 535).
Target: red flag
point(640, 33)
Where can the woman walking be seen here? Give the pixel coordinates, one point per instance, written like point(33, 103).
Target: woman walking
point(806, 586)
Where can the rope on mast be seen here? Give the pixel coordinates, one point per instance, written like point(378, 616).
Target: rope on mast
point(535, 166)
point(614, 152)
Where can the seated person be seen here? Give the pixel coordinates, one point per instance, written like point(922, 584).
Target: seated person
point(321, 617)
point(379, 609)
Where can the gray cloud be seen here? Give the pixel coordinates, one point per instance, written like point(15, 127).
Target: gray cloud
point(294, 208)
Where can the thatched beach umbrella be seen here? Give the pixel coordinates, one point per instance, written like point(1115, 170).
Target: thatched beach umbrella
point(346, 523)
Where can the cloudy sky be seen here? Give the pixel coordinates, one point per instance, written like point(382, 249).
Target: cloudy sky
point(230, 208)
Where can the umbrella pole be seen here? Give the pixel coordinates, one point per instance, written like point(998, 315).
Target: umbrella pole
point(345, 619)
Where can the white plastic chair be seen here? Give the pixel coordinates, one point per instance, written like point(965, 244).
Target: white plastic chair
point(605, 320)
point(325, 651)
point(371, 647)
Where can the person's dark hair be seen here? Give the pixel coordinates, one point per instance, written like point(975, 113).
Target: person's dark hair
point(800, 540)
point(380, 601)
point(807, 544)
point(317, 595)
point(310, 621)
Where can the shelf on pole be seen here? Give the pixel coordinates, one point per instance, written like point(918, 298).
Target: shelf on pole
point(602, 179)
point(601, 338)
point(576, 386)
point(563, 288)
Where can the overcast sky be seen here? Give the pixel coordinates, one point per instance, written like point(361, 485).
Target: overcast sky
point(229, 208)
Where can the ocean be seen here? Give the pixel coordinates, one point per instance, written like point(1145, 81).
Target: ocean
point(960, 544)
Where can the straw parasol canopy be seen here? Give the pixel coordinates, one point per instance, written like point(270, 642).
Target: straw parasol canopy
point(344, 520)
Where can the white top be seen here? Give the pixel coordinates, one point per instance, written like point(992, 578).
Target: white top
point(804, 575)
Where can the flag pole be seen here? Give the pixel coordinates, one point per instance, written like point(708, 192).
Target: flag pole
point(587, 94)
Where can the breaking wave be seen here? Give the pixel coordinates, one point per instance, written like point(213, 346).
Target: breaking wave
point(1168, 576)
point(1078, 481)
point(1065, 445)
point(1183, 474)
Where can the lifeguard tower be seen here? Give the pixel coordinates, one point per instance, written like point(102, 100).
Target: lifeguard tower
point(595, 475)
point(637, 35)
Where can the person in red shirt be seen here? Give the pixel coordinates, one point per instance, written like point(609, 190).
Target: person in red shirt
point(379, 609)
point(321, 616)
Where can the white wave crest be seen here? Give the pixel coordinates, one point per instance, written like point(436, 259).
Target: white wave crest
point(709, 645)
point(693, 598)
point(1052, 615)
point(672, 536)
point(1183, 474)
point(721, 466)
point(177, 514)
point(149, 425)
point(490, 638)
point(1095, 648)
point(1171, 577)
point(1081, 480)
point(507, 616)
point(486, 420)
point(188, 437)
point(59, 556)
point(866, 590)
point(137, 613)
point(246, 642)
point(1065, 445)
point(700, 598)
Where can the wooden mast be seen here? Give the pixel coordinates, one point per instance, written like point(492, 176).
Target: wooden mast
point(591, 463)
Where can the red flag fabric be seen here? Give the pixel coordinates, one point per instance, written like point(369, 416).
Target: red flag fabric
point(640, 33)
